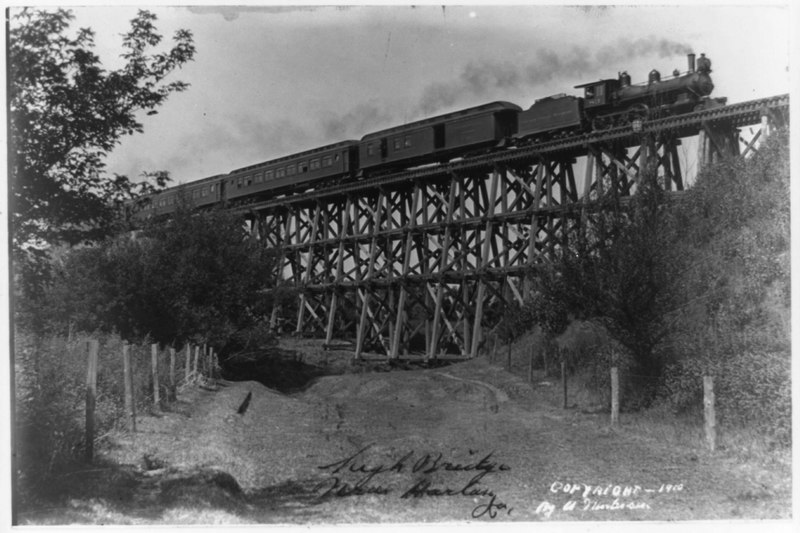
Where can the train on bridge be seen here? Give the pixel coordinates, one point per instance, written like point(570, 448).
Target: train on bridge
point(605, 104)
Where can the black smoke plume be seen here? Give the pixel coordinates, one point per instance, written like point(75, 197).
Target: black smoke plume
point(484, 79)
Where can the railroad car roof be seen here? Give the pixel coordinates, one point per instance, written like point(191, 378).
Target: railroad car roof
point(477, 110)
point(334, 146)
point(201, 181)
point(181, 186)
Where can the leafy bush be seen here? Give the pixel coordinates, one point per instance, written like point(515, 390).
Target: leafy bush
point(687, 288)
point(195, 278)
point(750, 389)
point(739, 330)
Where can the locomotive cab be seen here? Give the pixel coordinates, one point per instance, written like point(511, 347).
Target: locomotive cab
point(598, 93)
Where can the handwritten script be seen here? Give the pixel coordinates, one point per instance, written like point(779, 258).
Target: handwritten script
point(608, 497)
point(356, 475)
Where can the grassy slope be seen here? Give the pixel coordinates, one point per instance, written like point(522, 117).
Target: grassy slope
point(206, 464)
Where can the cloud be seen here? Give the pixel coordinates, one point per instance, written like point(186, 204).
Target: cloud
point(623, 48)
point(485, 78)
point(355, 123)
point(222, 147)
point(230, 13)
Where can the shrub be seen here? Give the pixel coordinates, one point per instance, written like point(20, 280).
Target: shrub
point(738, 230)
point(50, 378)
point(689, 287)
point(195, 278)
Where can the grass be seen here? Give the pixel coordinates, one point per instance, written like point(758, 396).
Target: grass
point(657, 423)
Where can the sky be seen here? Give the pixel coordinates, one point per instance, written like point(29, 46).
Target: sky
point(269, 81)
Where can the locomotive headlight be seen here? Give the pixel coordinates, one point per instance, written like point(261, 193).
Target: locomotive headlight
point(637, 125)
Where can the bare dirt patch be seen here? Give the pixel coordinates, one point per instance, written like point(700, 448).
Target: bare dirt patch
point(465, 442)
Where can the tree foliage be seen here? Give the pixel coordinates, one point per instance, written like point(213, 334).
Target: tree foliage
point(691, 287)
point(738, 227)
point(621, 272)
point(66, 113)
point(198, 277)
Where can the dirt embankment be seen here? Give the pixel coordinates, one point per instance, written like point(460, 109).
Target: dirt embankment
point(466, 442)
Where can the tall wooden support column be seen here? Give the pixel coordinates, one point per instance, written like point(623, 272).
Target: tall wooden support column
point(425, 259)
point(334, 302)
point(367, 291)
point(548, 184)
point(277, 240)
point(464, 266)
point(677, 175)
point(588, 179)
point(533, 252)
point(310, 267)
point(409, 245)
point(301, 308)
point(437, 314)
point(488, 235)
point(765, 125)
point(390, 258)
point(716, 142)
point(645, 155)
point(505, 252)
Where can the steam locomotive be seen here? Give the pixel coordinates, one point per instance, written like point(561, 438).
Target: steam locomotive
point(607, 103)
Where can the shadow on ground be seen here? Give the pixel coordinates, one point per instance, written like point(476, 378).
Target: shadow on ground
point(128, 495)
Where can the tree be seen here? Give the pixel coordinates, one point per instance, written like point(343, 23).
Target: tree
point(196, 277)
point(692, 286)
point(66, 113)
point(622, 274)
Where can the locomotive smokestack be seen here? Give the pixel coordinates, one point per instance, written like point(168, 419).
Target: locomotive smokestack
point(690, 57)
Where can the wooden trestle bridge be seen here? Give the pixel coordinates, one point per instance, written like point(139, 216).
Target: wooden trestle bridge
point(425, 261)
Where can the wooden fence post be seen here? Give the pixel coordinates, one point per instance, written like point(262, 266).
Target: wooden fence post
point(130, 406)
point(91, 396)
point(204, 361)
point(154, 359)
point(530, 364)
point(188, 362)
point(710, 415)
point(614, 395)
point(564, 381)
point(196, 361)
point(544, 359)
point(173, 394)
